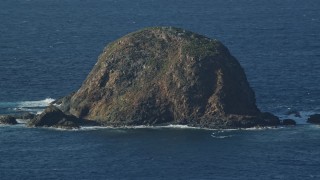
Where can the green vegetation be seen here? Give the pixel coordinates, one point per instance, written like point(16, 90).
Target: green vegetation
point(200, 48)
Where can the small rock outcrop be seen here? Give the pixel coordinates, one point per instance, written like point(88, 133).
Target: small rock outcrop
point(8, 119)
point(288, 122)
point(166, 75)
point(314, 119)
point(54, 117)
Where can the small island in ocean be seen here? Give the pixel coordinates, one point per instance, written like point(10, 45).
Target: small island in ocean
point(159, 76)
point(160, 102)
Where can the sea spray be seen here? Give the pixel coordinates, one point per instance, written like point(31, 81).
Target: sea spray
point(35, 107)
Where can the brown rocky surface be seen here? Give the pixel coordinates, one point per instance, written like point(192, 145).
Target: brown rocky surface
point(166, 75)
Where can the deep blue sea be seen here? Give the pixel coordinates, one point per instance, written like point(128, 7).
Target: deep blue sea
point(47, 48)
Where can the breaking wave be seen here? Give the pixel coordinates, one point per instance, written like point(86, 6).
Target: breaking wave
point(300, 117)
point(170, 126)
point(41, 103)
point(24, 106)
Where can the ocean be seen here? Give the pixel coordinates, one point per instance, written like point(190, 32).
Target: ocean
point(47, 48)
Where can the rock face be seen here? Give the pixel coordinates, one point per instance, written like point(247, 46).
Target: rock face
point(314, 119)
point(8, 119)
point(167, 75)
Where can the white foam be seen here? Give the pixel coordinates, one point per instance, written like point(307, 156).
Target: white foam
point(221, 137)
point(88, 128)
point(299, 120)
point(258, 128)
point(25, 106)
point(174, 126)
point(22, 121)
point(170, 126)
point(30, 104)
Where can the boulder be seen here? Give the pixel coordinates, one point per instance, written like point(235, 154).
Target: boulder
point(54, 117)
point(314, 119)
point(8, 119)
point(166, 75)
point(288, 122)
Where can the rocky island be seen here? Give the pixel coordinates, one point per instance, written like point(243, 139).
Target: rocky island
point(163, 75)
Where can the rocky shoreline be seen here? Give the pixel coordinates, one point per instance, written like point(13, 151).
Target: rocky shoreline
point(52, 117)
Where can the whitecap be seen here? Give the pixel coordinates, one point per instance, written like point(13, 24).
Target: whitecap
point(30, 104)
point(25, 106)
point(259, 128)
point(34, 106)
point(169, 126)
point(88, 128)
point(175, 126)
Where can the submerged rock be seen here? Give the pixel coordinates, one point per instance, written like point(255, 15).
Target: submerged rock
point(167, 75)
point(8, 119)
point(314, 119)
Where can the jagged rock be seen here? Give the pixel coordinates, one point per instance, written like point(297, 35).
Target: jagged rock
point(54, 117)
point(314, 119)
point(288, 122)
point(167, 75)
point(8, 119)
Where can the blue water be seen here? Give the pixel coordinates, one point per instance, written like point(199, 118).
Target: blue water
point(286, 153)
point(47, 47)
